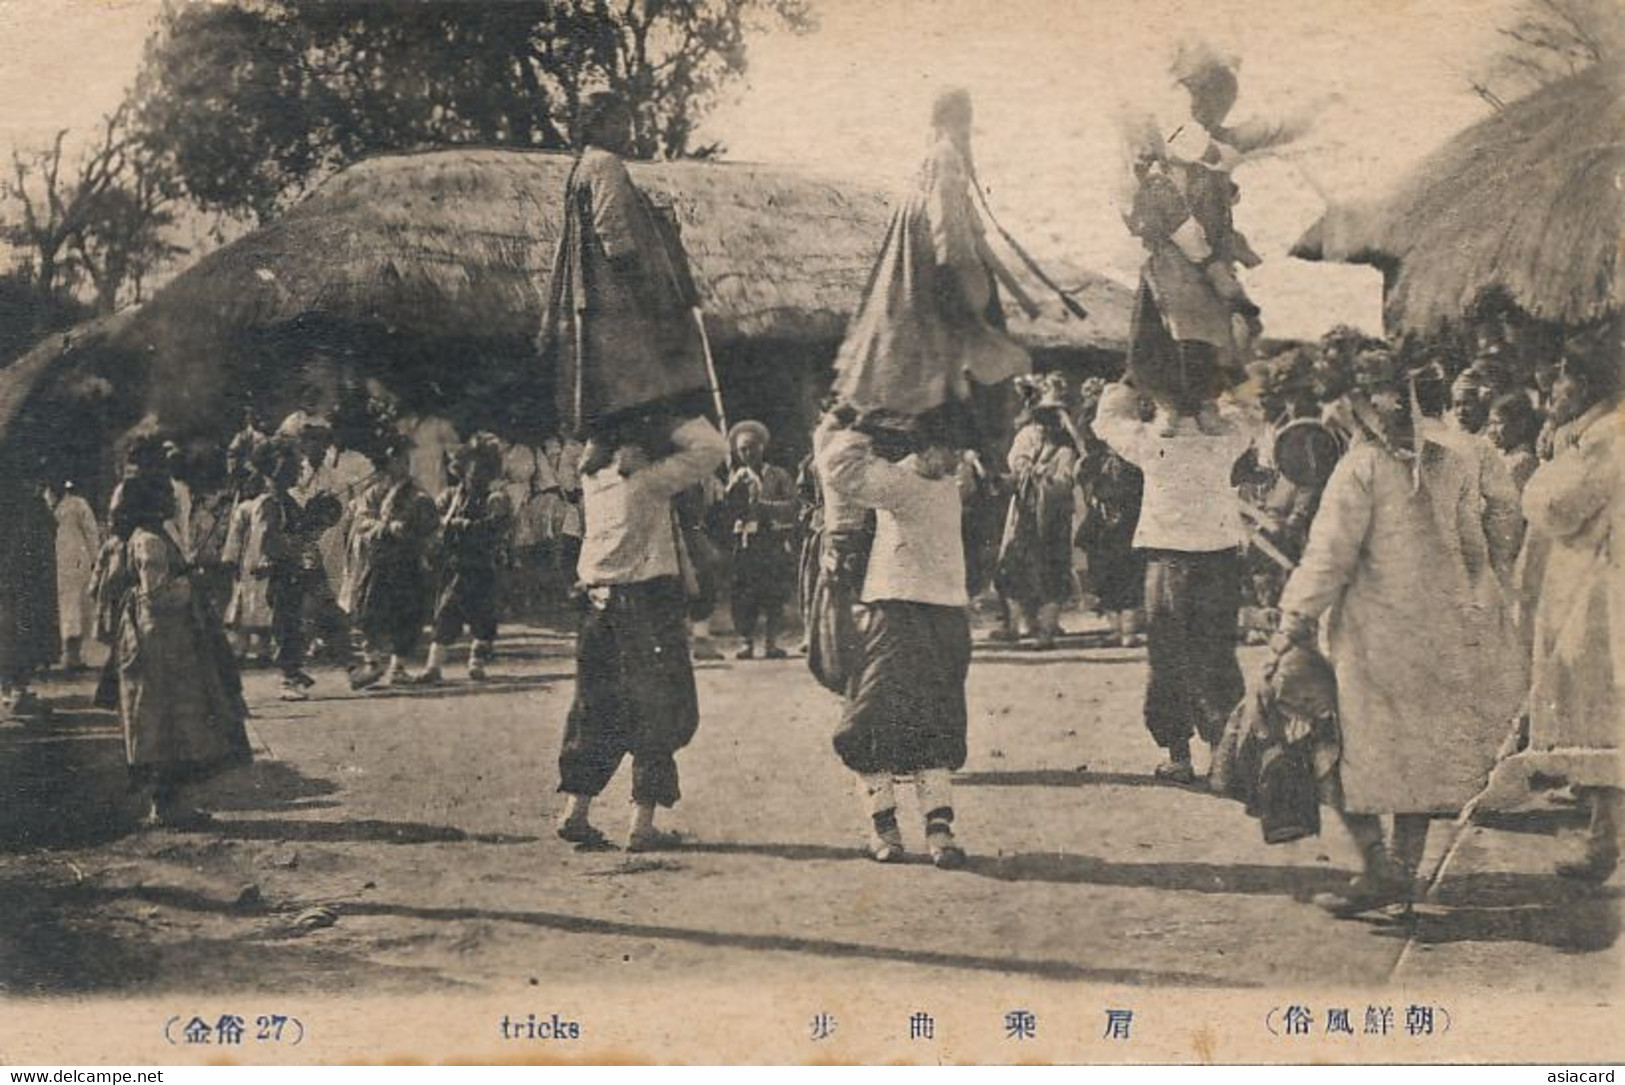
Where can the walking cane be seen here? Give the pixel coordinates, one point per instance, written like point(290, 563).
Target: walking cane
point(1459, 829)
point(1509, 746)
point(1464, 820)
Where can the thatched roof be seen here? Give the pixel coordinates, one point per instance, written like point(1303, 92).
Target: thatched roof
point(458, 242)
point(56, 354)
point(1531, 200)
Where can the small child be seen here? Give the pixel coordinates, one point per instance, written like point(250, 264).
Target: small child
point(248, 613)
point(634, 678)
point(905, 707)
point(282, 532)
point(385, 588)
point(474, 522)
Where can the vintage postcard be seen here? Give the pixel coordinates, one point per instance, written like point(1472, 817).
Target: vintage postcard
point(811, 531)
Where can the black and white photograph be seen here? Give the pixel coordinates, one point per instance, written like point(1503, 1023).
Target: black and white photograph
point(811, 531)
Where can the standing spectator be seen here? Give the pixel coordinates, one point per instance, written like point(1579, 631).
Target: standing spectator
point(1513, 428)
point(905, 708)
point(432, 439)
point(248, 613)
point(1469, 402)
point(275, 552)
point(179, 695)
point(386, 590)
point(1503, 664)
point(761, 507)
point(1390, 578)
point(474, 521)
point(522, 549)
point(179, 524)
point(1190, 533)
point(1576, 507)
point(28, 608)
point(1496, 493)
point(332, 478)
point(1034, 575)
point(1112, 489)
point(634, 680)
point(558, 481)
point(240, 450)
point(78, 541)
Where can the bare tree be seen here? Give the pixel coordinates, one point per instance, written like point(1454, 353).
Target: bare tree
point(44, 229)
point(1548, 40)
point(103, 223)
point(125, 196)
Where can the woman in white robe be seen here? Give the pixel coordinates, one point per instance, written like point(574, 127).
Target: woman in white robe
point(1394, 574)
point(78, 540)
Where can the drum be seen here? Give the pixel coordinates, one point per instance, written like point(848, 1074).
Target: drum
point(1306, 451)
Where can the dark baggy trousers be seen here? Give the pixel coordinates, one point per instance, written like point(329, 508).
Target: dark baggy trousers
point(1191, 602)
point(905, 703)
point(634, 693)
point(468, 598)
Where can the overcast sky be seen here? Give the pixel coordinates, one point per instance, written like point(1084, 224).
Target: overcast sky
point(1049, 79)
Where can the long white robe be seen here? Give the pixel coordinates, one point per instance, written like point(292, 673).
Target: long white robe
point(78, 540)
point(1396, 564)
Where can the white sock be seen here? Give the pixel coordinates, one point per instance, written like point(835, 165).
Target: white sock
point(934, 789)
point(437, 659)
point(876, 792)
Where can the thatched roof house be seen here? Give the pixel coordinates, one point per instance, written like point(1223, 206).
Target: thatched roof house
point(427, 273)
point(460, 243)
point(1531, 200)
point(430, 271)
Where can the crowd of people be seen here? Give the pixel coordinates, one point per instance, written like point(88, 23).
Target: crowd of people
point(1428, 533)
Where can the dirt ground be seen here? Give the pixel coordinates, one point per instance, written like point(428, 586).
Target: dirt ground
point(401, 842)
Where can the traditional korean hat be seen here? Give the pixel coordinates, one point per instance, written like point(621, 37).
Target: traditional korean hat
point(750, 425)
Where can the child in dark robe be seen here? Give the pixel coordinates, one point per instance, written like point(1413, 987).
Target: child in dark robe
point(474, 522)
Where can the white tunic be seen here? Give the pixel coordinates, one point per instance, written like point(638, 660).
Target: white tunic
point(1189, 503)
point(918, 555)
point(631, 535)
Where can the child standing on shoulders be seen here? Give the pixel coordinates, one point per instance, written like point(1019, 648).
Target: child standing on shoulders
point(905, 704)
point(634, 678)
